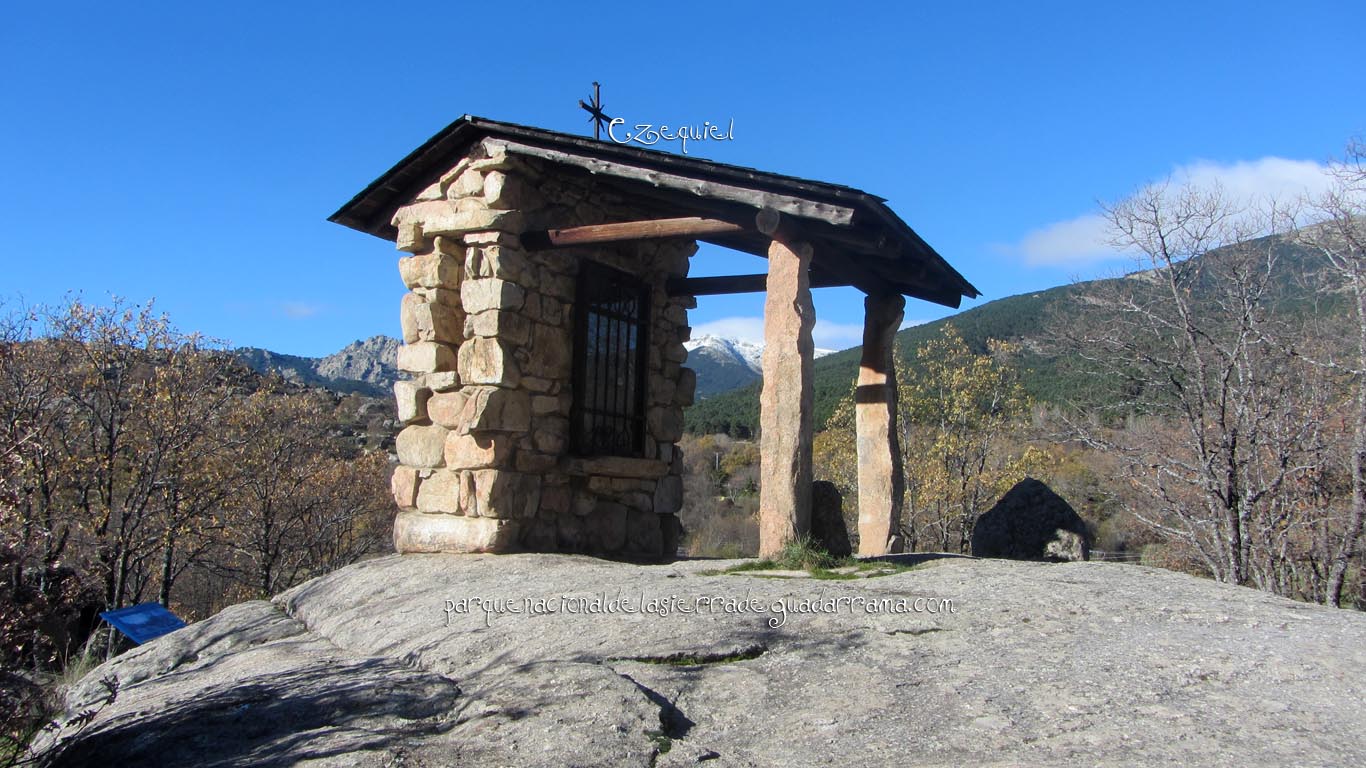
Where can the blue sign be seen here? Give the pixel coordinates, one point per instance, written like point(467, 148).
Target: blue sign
point(143, 622)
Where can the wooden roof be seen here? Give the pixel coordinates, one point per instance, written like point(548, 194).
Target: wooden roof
point(857, 239)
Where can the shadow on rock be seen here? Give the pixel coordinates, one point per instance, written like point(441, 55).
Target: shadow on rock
point(314, 712)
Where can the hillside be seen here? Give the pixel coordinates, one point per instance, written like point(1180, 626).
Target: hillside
point(1050, 372)
point(1046, 375)
point(983, 662)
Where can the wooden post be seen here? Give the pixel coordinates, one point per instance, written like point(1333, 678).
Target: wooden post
point(881, 482)
point(786, 402)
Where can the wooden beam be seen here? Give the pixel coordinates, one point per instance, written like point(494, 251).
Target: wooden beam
point(689, 226)
point(716, 286)
point(839, 215)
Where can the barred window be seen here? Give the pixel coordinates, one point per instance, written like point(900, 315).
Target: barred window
point(610, 345)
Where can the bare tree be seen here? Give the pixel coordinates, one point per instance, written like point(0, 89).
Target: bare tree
point(299, 507)
point(1340, 238)
point(1184, 340)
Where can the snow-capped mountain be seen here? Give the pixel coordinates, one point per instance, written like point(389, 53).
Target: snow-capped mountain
point(724, 364)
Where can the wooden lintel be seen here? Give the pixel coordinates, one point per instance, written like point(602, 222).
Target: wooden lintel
point(689, 226)
point(716, 286)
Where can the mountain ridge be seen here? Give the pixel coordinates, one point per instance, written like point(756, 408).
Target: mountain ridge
point(365, 366)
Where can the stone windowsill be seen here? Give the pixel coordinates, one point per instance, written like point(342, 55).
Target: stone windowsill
point(615, 466)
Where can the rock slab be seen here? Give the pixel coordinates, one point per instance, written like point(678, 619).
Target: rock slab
point(393, 662)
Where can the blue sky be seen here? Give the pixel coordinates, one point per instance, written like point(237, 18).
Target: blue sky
point(192, 152)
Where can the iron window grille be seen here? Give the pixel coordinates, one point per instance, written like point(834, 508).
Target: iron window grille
point(611, 342)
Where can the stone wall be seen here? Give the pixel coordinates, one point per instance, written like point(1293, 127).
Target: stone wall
point(488, 325)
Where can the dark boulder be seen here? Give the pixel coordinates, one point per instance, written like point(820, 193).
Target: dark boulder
point(1031, 522)
point(827, 519)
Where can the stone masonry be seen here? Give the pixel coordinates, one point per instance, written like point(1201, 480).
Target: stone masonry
point(488, 326)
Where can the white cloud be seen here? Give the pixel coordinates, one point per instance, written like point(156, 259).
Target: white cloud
point(1084, 239)
point(299, 309)
point(826, 334)
point(837, 335)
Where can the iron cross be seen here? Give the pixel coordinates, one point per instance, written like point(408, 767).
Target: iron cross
point(595, 113)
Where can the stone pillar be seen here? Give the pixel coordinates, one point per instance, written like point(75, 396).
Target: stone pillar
point(785, 406)
point(468, 409)
point(881, 483)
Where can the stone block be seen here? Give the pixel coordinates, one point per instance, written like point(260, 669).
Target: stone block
point(440, 381)
point(447, 408)
point(497, 261)
point(638, 500)
point(421, 446)
point(675, 352)
point(426, 357)
point(535, 463)
point(493, 237)
point(493, 409)
point(547, 405)
point(422, 532)
point(431, 192)
point(477, 451)
point(404, 483)
point(618, 466)
point(540, 535)
point(411, 399)
point(410, 238)
point(407, 317)
point(554, 312)
point(662, 389)
point(485, 293)
point(445, 217)
point(668, 497)
point(448, 178)
point(510, 326)
point(432, 322)
point(583, 504)
point(555, 500)
point(643, 536)
point(506, 191)
point(571, 533)
point(488, 361)
point(468, 184)
point(551, 352)
point(504, 494)
point(440, 493)
point(685, 388)
point(606, 526)
point(446, 297)
point(431, 270)
point(550, 440)
point(665, 424)
point(538, 385)
point(558, 286)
